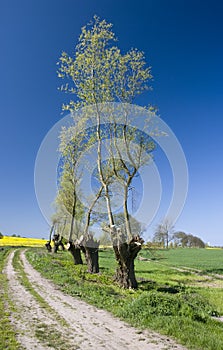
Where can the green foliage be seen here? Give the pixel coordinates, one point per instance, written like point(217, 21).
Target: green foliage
point(98, 72)
point(95, 74)
point(164, 233)
point(188, 240)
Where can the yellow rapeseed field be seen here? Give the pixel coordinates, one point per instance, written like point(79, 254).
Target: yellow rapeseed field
point(24, 242)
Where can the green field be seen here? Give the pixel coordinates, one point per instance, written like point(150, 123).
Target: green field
point(178, 292)
point(207, 260)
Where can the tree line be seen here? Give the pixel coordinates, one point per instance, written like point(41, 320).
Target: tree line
point(166, 237)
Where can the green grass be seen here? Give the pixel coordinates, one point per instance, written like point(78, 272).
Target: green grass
point(165, 301)
point(52, 338)
point(207, 260)
point(7, 334)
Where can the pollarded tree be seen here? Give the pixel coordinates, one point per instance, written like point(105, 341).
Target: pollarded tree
point(99, 73)
point(73, 144)
point(132, 156)
point(69, 209)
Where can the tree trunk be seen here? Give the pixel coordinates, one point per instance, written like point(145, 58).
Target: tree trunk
point(92, 259)
point(48, 246)
point(72, 217)
point(103, 180)
point(90, 248)
point(125, 253)
point(126, 213)
point(108, 203)
point(76, 253)
point(88, 245)
point(51, 231)
point(48, 243)
point(57, 243)
point(55, 247)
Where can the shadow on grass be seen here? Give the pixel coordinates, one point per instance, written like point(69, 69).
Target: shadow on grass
point(214, 270)
point(147, 285)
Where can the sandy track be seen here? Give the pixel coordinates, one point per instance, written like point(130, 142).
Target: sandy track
point(76, 324)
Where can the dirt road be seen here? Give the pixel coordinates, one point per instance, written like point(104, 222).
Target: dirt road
point(46, 318)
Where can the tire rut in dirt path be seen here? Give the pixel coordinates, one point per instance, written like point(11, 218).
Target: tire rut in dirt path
point(84, 327)
point(35, 327)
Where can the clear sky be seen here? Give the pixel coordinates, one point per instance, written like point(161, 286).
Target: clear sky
point(182, 41)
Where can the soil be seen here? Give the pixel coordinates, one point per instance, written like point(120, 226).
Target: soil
point(63, 322)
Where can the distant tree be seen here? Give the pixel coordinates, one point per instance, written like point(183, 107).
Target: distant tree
point(1, 235)
point(196, 242)
point(187, 240)
point(180, 239)
point(105, 238)
point(164, 233)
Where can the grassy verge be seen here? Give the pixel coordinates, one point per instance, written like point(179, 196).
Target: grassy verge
point(7, 334)
point(164, 302)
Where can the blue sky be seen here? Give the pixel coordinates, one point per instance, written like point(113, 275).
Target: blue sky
point(182, 41)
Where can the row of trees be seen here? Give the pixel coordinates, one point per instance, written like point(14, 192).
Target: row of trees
point(99, 76)
point(165, 236)
point(187, 240)
point(104, 83)
point(13, 235)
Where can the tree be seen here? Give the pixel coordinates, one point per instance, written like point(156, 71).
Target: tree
point(164, 233)
point(188, 240)
point(69, 209)
point(99, 73)
point(105, 238)
point(68, 202)
point(180, 239)
point(197, 242)
point(1, 235)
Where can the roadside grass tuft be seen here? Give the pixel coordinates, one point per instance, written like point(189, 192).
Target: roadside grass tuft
point(52, 338)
